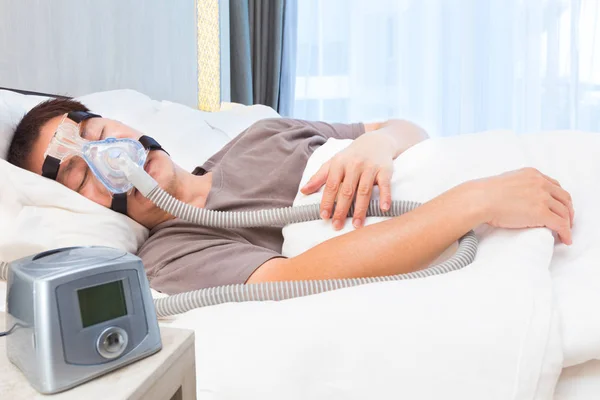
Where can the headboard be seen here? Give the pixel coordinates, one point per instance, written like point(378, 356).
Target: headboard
point(76, 47)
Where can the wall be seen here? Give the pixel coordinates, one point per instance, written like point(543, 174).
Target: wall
point(74, 47)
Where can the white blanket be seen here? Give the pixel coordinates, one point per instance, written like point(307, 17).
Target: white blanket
point(434, 166)
point(501, 328)
point(572, 157)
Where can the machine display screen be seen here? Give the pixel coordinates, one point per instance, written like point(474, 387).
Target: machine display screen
point(102, 303)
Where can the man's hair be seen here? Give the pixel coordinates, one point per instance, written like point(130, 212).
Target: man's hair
point(28, 129)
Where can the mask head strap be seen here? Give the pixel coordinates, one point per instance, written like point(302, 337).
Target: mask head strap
point(151, 144)
point(80, 116)
point(119, 203)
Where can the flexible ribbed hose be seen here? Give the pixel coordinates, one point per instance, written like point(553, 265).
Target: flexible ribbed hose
point(183, 302)
point(280, 217)
point(269, 217)
point(3, 271)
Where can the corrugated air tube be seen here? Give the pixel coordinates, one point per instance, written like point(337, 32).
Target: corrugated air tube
point(183, 302)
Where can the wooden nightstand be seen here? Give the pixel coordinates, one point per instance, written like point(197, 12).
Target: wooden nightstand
point(169, 374)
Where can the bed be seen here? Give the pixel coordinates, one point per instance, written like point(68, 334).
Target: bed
point(353, 343)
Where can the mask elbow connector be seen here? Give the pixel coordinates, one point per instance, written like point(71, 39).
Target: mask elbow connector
point(136, 175)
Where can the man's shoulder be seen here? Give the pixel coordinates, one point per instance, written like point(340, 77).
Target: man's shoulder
point(277, 123)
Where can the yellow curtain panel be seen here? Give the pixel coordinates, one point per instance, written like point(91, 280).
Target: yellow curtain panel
point(209, 58)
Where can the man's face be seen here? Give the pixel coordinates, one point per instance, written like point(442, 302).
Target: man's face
point(75, 174)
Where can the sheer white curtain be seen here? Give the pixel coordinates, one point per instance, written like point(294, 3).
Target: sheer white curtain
point(454, 66)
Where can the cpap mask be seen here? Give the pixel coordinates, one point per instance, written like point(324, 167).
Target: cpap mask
point(100, 156)
point(103, 157)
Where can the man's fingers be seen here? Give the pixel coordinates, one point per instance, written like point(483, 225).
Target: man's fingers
point(345, 197)
point(317, 180)
point(560, 209)
point(564, 198)
point(559, 225)
point(363, 197)
point(561, 195)
point(332, 185)
point(384, 179)
point(551, 179)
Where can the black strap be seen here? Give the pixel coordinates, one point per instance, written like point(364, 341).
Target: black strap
point(198, 171)
point(79, 116)
point(50, 167)
point(119, 203)
point(150, 144)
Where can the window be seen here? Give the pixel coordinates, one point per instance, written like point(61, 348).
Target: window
point(452, 66)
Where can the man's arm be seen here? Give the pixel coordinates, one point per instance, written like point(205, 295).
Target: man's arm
point(518, 199)
point(402, 244)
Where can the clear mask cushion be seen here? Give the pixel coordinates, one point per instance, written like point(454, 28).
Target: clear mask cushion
point(103, 159)
point(102, 156)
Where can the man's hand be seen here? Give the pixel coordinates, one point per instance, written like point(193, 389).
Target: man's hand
point(526, 198)
point(366, 162)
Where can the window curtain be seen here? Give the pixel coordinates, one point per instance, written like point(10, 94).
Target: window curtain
point(263, 50)
point(454, 66)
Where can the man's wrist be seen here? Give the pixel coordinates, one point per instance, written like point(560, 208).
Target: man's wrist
point(475, 201)
point(405, 135)
point(383, 139)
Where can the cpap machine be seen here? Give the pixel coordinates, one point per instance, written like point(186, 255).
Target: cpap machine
point(74, 314)
point(77, 313)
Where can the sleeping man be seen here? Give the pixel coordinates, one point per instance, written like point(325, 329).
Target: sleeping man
point(262, 168)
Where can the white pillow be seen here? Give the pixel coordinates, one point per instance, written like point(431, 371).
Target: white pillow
point(181, 130)
point(177, 127)
point(43, 214)
point(39, 214)
point(236, 117)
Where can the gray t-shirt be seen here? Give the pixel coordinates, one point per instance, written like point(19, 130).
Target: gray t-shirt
point(260, 168)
